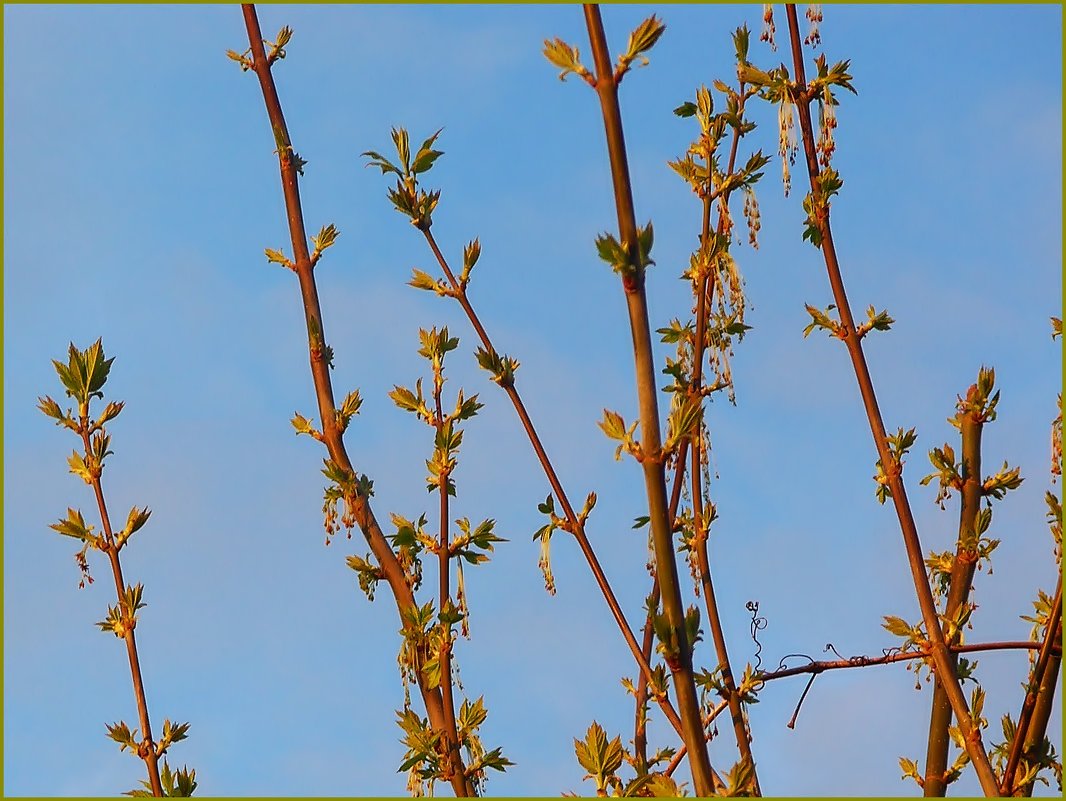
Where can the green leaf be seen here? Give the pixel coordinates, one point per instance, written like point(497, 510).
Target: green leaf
point(565, 57)
point(751, 74)
point(408, 400)
point(641, 40)
point(741, 38)
point(613, 253)
point(136, 520)
point(85, 372)
point(425, 156)
point(659, 785)
point(591, 752)
point(349, 407)
point(613, 425)
point(820, 319)
point(278, 257)
point(377, 160)
point(465, 408)
point(403, 148)
point(96, 367)
point(302, 425)
point(80, 468)
point(49, 407)
point(686, 109)
point(325, 237)
point(423, 280)
point(645, 238)
point(493, 759)
point(74, 526)
point(173, 733)
point(683, 422)
point(897, 626)
point(1003, 481)
point(910, 770)
point(121, 734)
point(471, 253)
point(471, 716)
point(110, 412)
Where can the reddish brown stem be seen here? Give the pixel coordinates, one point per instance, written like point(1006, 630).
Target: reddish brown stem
point(147, 751)
point(940, 653)
point(444, 578)
point(1036, 681)
point(700, 523)
point(963, 568)
point(359, 505)
point(576, 526)
point(887, 659)
point(654, 476)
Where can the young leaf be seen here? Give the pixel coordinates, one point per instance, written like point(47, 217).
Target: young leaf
point(377, 160)
point(74, 526)
point(423, 280)
point(278, 257)
point(565, 57)
point(641, 40)
point(121, 734)
point(136, 519)
point(425, 156)
point(325, 237)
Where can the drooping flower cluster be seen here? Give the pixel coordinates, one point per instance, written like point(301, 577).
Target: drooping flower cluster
point(787, 144)
point(768, 28)
point(814, 16)
point(827, 121)
point(751, 214)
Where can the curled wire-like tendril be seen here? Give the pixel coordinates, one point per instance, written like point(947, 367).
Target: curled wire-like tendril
point(783, 664)
point(757, 623)
point(852, 660)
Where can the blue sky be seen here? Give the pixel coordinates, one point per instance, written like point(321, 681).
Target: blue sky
point(140, 191)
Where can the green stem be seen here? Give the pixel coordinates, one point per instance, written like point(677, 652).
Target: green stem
point(940, 653)
point(962, 572)
point(390, 566)
point(654, 475)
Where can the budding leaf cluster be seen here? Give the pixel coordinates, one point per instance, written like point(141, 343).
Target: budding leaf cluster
point(618, 254)
point(615, 428)
point(600, 757)
point(641, 40)
point(406, 196)
point(567, 58)
point(176, 784)
point(502, 367)
point(898, 445)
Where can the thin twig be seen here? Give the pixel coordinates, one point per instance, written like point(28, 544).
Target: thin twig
point(147, 750)
point(897, 656)
point(574, 522)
